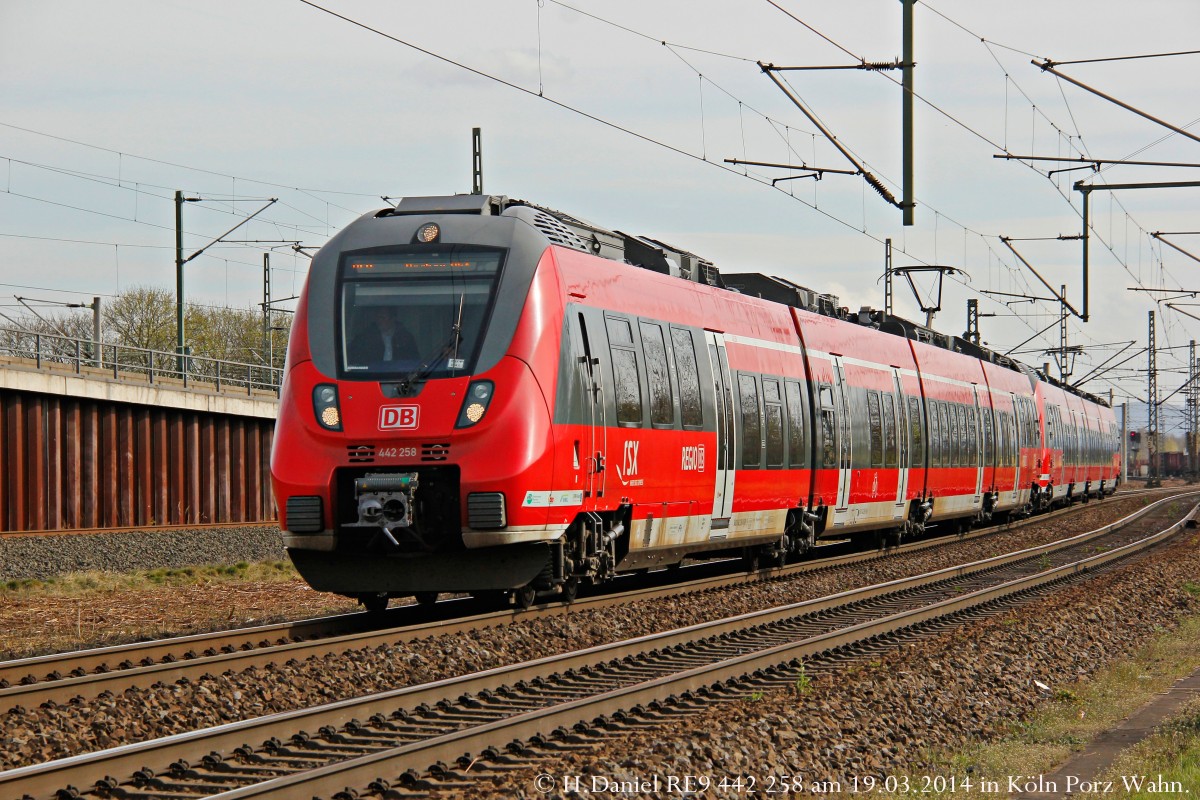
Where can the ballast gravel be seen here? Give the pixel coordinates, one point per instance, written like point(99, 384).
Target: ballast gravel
point(84, 725)
point(41, 557)
point(879, 722)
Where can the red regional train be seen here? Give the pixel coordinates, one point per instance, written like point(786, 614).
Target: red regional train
point(484, 395)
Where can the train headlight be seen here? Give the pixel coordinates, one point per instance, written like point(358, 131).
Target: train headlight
point(325, 406)
point(479, 396)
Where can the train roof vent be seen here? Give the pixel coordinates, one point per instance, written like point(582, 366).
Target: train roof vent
point(557, 232)
point(550, 226)
point(651, 254)
point(779, 290)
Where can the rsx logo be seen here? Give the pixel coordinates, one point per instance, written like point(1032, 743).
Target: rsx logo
point(628, 470)
point(398, 417)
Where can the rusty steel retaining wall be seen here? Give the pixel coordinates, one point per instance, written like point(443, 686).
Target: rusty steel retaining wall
point(81, 455)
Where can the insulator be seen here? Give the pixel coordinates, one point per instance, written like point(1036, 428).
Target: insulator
point(879, 187)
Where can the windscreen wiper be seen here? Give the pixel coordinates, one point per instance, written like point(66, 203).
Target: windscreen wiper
point(449, 348)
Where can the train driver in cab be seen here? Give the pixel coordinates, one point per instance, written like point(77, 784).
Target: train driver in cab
point(382, 338)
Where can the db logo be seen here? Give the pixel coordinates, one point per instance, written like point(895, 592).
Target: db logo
point(403, 417)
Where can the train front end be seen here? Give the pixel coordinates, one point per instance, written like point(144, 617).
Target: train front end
point(411, 407)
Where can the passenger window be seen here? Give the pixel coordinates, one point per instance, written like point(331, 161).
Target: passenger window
point(915, 426)
point(876, 427)
point(829, 459)
point(689, 378)
point(797, 457)
point(889, 431)
point(998, 436)
point(960, 435)
point(773, 412)
point(1010, 439)
point(751, 422)
point(829, 444)
point(662, 403)
point(988, 454)
point(945, 456)
point(960, 440)
point(935, 427)
point(971, 451)
point(628, 389)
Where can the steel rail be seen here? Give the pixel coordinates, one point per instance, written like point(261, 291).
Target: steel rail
point(64, 676)
point(45, 779)
point(452, 747)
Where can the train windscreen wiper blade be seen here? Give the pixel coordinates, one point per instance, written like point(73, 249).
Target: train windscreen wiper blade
point(449, 348)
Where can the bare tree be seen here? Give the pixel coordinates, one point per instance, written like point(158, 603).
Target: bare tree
point(143, 319)
point(52, 334)
point(143, 316)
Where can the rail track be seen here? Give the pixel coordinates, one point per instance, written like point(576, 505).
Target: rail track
point(391, 742)
point(61, 677)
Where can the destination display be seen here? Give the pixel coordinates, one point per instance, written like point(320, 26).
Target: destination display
point(422, 263)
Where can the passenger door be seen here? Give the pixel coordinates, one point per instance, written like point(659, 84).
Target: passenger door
point(977, 443)
point(726, 430)
point(902, 432)
point(843, 434)
point(1016, 448)
point(591, 382)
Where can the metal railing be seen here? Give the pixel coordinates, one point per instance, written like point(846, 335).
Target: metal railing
point(136, 364)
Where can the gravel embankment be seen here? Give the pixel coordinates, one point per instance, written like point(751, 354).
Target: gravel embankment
point(36, 735)
point(885, 718)
point(40, 557)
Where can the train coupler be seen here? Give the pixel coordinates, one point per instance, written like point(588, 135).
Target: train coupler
point(386, 499)
point(386, 504)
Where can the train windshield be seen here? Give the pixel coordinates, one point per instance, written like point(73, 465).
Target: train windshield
point(415, 313)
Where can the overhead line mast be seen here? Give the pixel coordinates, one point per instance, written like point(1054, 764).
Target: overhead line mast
point(1152, 407)
point(908, 204)
point(906, 65)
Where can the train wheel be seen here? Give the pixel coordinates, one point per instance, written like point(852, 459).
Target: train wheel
point(426, 598)
point(751, 559)
point(570, 588)
point(375, 603)
point(780, 558)
point(525, 596)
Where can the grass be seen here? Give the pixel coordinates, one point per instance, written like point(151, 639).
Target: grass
point(1166, 764)
point(78, 583)
point(1170, 756)
point(91, 609)
point(1077, 713)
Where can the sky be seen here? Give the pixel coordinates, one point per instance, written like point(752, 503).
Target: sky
point(621, 113)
